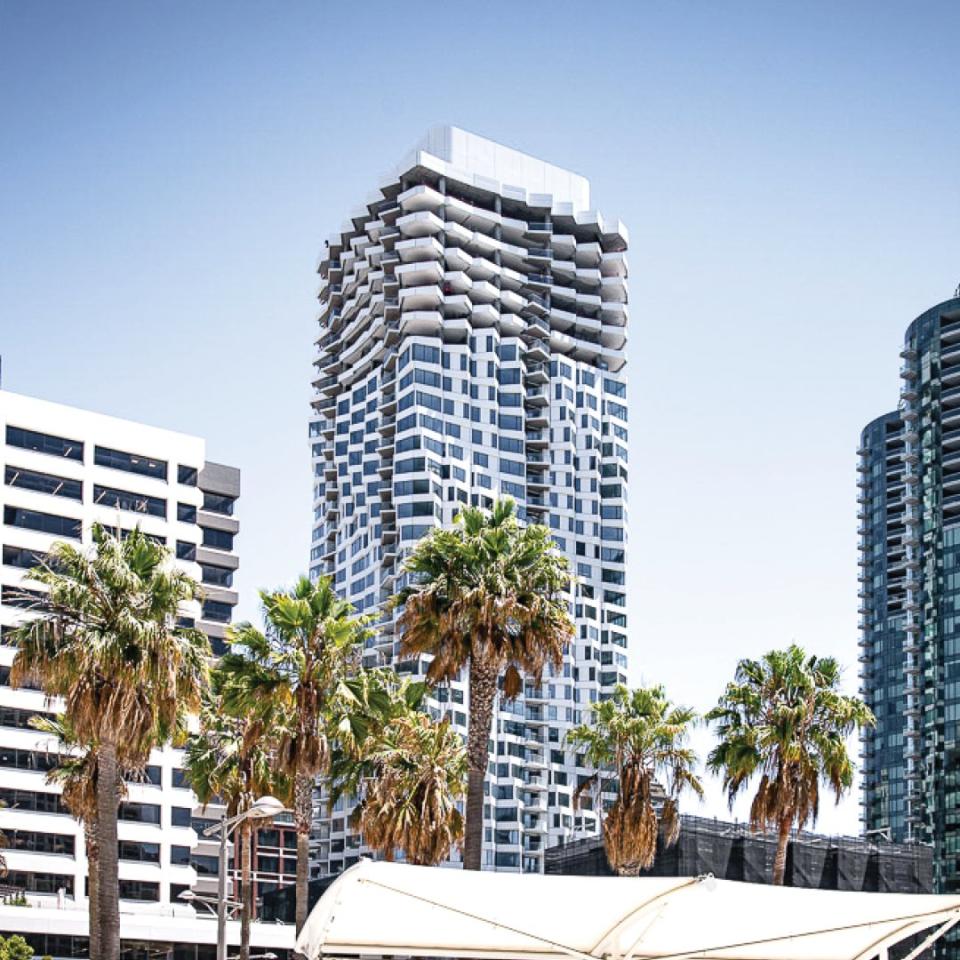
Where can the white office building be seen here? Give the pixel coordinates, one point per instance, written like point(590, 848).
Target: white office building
point(471, 345)
point(63, 470)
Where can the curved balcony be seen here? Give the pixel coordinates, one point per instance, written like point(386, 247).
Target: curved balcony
point(420, 197)
point(511, 301)
point(419, 273)
point(614, 265)
point(424, 322)
point(613, 290)
point(484, 315)
point(589, 255)
point(484, 292)
point(421, 224)
point(415, 250)
point(420, 298)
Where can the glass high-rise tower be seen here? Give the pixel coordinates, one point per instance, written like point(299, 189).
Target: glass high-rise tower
point(909, 495)
point(471, 345)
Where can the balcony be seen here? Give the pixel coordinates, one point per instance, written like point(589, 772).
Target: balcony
point(538, 326)
point(536, 416)
point(419, 273)
point(424, 297)
point(423, 223)
point(536, 305)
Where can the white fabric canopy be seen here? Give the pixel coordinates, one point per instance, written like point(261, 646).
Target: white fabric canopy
point(394, 909)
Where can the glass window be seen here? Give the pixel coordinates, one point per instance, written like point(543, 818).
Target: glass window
point(139, 812)
point(32, 841)
point(130, 462)
point(216, 576)
point(187, 475)
point(205, 866)
point(176, 892)
point(186, 550)
point(39, 882)
point(127, 500)
point(43, 483)
point(180, 816)
point(45, 443)
point(216, 610)
point(22, 597)
point(17, 759)
point(179, 855)
point(43, 522)
point(18, 718)
point(151, 774)
point(138, 851)
point(218, 503)
point(217, 539)
point(33, 801)
point(186, 513)
point(22, 557)
point(139, 890)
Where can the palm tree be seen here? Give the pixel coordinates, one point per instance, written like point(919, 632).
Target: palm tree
point(488, 596)
point(230, 760)
point(291, 671)
point(411, 802)
point(76, 775)
point(407, 770)
point(108, 642)
point(365, 703)
point(640, 738)
point(784, 718)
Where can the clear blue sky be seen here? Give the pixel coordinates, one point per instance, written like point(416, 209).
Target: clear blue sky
point(791, 180)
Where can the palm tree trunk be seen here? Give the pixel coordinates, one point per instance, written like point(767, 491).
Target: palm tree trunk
point(303, 817)
point(93, 893)
point(108, 881)
point(483, 689)
point(780, 860)
point(246, 888)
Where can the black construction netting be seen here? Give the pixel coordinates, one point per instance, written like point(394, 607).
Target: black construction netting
point(732, 851)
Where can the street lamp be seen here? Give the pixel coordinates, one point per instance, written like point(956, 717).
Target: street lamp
point(264, 808)
point(192, 898)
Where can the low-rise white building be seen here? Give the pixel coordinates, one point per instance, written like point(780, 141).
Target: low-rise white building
point(63, 470)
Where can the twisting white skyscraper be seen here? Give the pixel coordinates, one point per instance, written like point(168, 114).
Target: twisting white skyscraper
point(472, 345)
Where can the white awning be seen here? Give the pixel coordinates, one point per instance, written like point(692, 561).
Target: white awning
point(390, 909)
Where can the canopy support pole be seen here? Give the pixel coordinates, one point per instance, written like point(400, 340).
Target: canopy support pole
point(603, 945)
point(936, 935)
